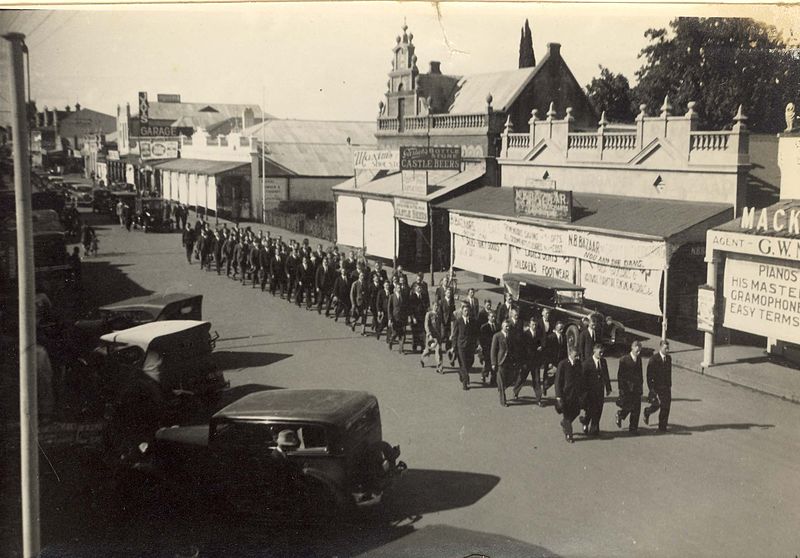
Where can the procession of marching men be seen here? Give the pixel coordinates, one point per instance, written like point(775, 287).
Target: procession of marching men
point(437, 324)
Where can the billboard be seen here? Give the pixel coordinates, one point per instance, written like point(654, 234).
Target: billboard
point(376, 159)
point(157, 149)
point(430, 158)
point(554, 205)
point(144, 108)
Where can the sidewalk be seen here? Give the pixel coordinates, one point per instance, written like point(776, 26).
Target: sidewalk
point(744, 366)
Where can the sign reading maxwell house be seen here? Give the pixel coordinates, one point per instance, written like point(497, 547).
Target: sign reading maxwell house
point(554, 205)
point(430, 158)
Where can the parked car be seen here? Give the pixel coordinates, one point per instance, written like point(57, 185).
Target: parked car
point(301, 449)
point(153, 308)
point(152, 214)
point(101, 201)
point(564, 299)
point(81, 194)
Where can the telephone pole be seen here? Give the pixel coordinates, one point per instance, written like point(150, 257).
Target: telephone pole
point(28, 404)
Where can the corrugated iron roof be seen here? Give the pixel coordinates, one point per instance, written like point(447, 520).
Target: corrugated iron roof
point(174, 111)
point(503, 86)
point(662, 219)
point(391, 185)
point(787, 206)
point(200, 166)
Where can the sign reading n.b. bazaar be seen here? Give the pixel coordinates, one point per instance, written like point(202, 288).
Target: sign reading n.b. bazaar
point(555, 205)
point(430, 158)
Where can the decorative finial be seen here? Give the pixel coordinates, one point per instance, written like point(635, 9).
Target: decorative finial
point(789, 117)
point(509, 125)
point(740, 117)
point(642, 110)
point(551, 112)
point(405, 26)
point(666, 107)
point(568, 117)
point(410, 37)
point(489, 99)
point(690, 109)
point(603, 122)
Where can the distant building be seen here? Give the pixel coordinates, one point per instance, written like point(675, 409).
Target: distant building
point(436, 109)
point(58, 136)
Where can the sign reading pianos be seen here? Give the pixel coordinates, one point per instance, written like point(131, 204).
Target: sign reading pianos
point(553, 205)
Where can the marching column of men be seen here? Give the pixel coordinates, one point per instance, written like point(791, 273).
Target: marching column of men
point(509, 351)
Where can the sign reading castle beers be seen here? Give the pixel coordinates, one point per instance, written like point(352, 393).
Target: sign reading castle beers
point(763, 298)
point(554, 205)
point(430, 158)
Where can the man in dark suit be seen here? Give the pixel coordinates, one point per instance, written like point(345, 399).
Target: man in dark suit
point(473, 304)
point(569, 388)
point(630, 382)
point(277, 271)
point(595, 378)
point(305, 283)
point(586, 340)
point(485, 337)
point(659, 382)
point(398, 318)
point(324, 286)
point(501, 359)
point(381, 322)
point(341, 296)
point(504, 308)
point(530, 351)
point(555, 350)
point(465, 338)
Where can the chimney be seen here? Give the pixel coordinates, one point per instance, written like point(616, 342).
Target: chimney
point(435, 67)
point(248, 118)
point(45, 119)
point(77, 107)
point(68, 108)
point(554, 49)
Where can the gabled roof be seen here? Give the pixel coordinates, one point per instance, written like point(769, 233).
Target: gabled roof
point(504, 87)
point(221, 111)
point(312, 147)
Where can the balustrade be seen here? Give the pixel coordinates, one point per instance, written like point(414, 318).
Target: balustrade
point(708, 141)
point(582, 140)
point(622, 140)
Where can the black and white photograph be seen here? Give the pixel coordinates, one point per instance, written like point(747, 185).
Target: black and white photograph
point(399, 280)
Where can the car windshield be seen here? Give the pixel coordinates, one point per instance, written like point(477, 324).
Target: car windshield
point(84, 189)
point(253, 435)
point(569, 297)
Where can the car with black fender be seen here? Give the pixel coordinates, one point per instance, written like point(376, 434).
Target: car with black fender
point(281, 451)
point(564, 299)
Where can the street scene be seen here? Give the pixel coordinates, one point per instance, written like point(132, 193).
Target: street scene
point(468, 296)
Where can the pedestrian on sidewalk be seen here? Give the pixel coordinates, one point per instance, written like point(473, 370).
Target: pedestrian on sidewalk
point(659, 383)
point(630, 384)
point(417, 310)
point(569, 389)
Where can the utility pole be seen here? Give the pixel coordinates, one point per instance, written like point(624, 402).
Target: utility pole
point(28, 404)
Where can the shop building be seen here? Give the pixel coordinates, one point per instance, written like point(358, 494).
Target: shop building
point(58, 137)
point(623, 214)
point(753, 274)
point(391, 214)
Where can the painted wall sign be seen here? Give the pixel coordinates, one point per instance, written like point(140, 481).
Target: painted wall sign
point(430, 158)
point(527, 261)
point(555, 205)
point(157, 131)
point(479, 256)
point(762, 298)
point(635, 289)
point(415, 212)
point(168, 98)
point(155, 149)
point(742, 243)
point(376, 159)
point(771, 219)
point(275, 188)
point(415, 182)
point(144, 108)
point(705, 308)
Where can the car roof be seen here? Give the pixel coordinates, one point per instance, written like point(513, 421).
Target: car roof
point(143, 335)
point(540, 281)
point(331, 406)
point(154, 303)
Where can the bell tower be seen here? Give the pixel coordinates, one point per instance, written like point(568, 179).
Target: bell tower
point(401, 96)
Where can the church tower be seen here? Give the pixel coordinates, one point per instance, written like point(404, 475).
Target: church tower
point(401, 96)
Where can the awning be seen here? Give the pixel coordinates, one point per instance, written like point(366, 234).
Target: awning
point(440, 184)
point(201, 166)
point(676, 221)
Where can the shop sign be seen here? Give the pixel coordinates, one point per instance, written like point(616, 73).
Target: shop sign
point(430, 158)
point(538, 239)
point(616, 251)
point(415, 182)
point(755, 245)
point(168, 98)
point(413, 212)
point(479, 256)
point(480, 229)
point(527, 261)
point(157, 132)
point(158, 149)
point(705, 308)
point(275, 188)
point(555, 205)
point(634, 289)
point(376, 159)
point(113, 155)
point(144, 108)
point(762, 298)
point(771, 219)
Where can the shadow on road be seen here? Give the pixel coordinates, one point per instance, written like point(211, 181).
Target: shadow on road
point(676, 429)
point(233, 360)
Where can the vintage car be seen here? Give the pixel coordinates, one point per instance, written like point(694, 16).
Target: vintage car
point(81, 194)
point(565, 301)
point(301, 450)
point(152, 374)
point(153, 308)
point(152, 214)
point(101, 201)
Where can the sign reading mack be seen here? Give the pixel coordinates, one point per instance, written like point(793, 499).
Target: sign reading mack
point(430, 158)
point(555, 205)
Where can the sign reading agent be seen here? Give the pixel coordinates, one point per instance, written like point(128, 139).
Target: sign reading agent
point(430, 158)
point(553, 205)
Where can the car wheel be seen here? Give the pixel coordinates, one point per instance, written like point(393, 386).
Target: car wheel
point(572, 336)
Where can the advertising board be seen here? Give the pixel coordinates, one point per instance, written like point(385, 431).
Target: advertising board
point(430, 158)
point(555, 205)
point(376, 159)
point(157, 149)
point(412, 212)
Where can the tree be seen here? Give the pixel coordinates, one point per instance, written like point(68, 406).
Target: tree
point(611, 93)
point(719, 63)
point(526, 56)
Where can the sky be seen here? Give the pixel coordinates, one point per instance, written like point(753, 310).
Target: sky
point(314, 60)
